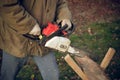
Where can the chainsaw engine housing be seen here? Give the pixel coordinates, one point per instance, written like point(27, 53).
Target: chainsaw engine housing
point(58, 43)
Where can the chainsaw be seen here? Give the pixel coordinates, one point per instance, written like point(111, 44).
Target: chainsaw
point(54, 37)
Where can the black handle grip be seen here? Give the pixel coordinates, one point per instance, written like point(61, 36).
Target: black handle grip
point(32, 37)
point(71, 30)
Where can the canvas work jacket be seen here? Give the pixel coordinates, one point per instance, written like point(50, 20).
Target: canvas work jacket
point(18, 17)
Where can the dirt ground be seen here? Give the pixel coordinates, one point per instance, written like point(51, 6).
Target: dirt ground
point(87, 11)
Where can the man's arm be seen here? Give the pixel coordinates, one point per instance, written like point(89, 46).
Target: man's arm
point(16, 16)
point(63, 11)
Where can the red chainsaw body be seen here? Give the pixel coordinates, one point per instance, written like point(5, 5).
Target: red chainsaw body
point(51, 28)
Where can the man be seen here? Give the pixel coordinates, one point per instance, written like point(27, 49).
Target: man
point(18, 17)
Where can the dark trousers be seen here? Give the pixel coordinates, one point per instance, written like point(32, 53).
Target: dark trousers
point(46, 64)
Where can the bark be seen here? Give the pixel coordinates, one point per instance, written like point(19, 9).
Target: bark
point(91, 68)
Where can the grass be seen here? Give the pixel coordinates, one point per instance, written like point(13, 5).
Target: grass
point(102, 36)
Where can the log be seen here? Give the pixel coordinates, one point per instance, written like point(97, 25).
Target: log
point(75, 67)
point(91, 69)
point(106, 60)
point(88, 69)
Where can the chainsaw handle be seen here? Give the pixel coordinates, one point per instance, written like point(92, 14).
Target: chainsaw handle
point(60, 32)
point(69, 31)
point(30, 36)
point(33, 37)
point(64, 27)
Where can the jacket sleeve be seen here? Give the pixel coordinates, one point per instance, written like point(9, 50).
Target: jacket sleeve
point(16, 16)
point(63, 11)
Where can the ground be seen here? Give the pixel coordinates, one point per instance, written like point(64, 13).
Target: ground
point(87, 11)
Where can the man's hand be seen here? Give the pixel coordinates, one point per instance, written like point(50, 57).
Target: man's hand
point(36, 30)
point(66, 22)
